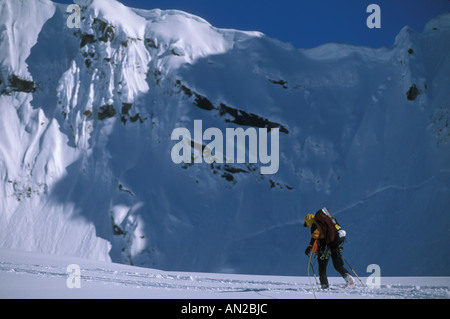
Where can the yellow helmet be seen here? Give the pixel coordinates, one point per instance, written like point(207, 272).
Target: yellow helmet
point(309, 219)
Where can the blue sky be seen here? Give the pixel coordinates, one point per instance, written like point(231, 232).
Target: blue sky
point(308, 23)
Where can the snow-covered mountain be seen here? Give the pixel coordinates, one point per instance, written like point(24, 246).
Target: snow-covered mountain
point(86, 122)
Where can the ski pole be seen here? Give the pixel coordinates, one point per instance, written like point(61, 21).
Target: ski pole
point(309, 277)
point(353, 270)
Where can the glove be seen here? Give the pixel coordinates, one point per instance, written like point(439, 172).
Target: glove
point(308, 250)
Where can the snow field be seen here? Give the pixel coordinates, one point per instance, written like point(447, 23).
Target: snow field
point(85, 158)
point(33, 275)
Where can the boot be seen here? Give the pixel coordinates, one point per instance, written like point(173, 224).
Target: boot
point(349, 280)
point(324, 286)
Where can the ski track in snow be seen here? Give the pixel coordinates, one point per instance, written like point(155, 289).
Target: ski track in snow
point(219, 283)
point(387, 188)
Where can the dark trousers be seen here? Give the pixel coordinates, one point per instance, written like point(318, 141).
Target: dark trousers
point(325, 252)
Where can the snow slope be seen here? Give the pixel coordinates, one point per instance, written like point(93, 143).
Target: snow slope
point(36, 276)
point(87, 115)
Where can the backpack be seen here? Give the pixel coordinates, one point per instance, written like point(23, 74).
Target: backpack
point(329, 227)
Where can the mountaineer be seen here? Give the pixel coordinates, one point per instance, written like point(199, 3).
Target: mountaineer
point(326, 239)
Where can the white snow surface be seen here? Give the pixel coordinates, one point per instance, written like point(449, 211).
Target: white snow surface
point(86, 117)
point(40, 276)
